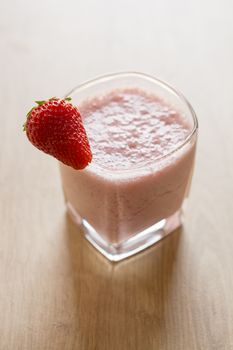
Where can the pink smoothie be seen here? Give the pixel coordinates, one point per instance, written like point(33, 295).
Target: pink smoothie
point(135, 178)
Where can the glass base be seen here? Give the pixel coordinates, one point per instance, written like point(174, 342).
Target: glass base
point(131, 246)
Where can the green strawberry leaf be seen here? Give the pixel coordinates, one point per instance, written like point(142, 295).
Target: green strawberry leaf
point(40, 103)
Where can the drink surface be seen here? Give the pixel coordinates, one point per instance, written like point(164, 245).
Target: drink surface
point(129, 128)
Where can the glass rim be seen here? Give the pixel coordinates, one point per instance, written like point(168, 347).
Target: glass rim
point(162, 83)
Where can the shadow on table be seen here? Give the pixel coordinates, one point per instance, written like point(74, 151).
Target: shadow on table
point(122, 304)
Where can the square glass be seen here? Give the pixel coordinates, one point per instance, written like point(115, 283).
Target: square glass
point(122, 212)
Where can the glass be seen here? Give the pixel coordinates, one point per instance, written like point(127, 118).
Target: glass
point(125, 211)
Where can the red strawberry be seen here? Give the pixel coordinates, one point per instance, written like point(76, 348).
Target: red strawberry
point(55, 127)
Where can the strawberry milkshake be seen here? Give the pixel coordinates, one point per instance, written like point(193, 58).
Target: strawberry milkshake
point(142, 135)
point(126, 146)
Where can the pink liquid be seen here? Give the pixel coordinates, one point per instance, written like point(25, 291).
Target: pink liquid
point(130, 184)
point(128, 128)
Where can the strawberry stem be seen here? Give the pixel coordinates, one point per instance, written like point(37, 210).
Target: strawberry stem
point(68, 99)
point(40, 102)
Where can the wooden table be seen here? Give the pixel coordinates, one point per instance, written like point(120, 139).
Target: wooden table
point(56, 291)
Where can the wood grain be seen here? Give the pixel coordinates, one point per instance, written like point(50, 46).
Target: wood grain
point(56, 292)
